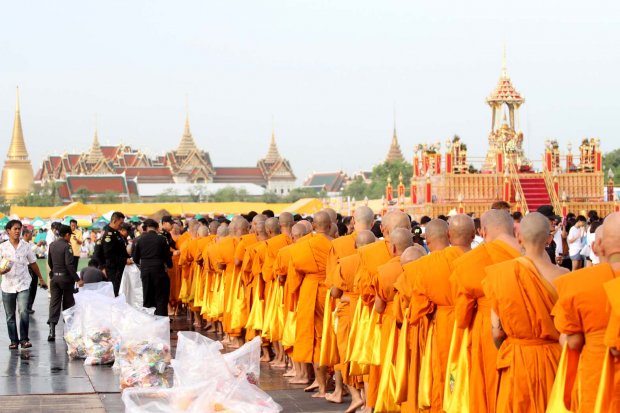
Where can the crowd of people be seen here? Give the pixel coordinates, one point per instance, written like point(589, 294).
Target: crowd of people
point(502, 312)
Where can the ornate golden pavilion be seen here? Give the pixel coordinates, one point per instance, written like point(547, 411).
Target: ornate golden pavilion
point(17, 176)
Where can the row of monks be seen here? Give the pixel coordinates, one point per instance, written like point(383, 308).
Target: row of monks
point(497, 328)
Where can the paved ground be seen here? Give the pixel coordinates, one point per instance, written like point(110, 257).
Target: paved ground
point(43, 379)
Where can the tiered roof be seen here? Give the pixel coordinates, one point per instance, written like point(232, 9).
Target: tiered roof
point(394, 153)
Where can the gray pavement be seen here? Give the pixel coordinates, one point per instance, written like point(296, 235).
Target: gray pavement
point(43, 379)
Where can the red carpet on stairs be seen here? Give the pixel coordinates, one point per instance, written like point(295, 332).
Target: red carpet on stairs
point(535, 192)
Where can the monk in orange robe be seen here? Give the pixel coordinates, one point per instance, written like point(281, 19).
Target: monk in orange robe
point(522, 295)
point(472, 308)
point(298, 372)
point(383, 284)
point(307, 279)
point(254, 285)
point(343, 289)
point(582, 314)
point(204, 239)
point(185, 263)
point(209, 269)
point(225, 259)
point(432, 295)
point(174, 233)
point(274, 291)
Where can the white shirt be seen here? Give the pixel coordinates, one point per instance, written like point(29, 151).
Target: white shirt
point(559, 247)
point(574, 248)
point(477, 241)
point(49, 238)
point(591, 237)
point(18, 278)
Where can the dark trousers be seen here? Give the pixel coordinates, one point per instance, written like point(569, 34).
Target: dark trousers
point(155, 288)
point(76, 261)
point(11, 301)
point(115, 276)
point(32, 291)
point(61, 288)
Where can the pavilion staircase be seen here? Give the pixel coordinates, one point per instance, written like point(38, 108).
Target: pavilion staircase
point(535, 192)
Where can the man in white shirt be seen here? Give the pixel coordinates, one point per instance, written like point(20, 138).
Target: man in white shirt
point(18, 256)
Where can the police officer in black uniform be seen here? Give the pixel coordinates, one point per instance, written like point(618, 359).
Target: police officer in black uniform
point(63, 277)
point(114, 251)
point(152, 254)
point(166, 226)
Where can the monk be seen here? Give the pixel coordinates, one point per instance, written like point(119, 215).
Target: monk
point(307, 279)
point(210, 306)
point(225, 261)
point(522, 295)
point(299, 372)
point(198, 280)
point(581, 313)
point(343, 289)
point(174, 273)
point(363, 219)
point(383, 284)
point(432, 295)
point(472, 308)
point(274, 291)
point(253, 285)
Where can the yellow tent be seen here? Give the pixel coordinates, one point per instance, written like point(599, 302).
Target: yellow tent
point(305, 206)
point(33, 212)
point(74, 209)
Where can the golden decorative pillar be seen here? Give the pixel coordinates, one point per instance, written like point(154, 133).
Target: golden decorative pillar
point(17, 175)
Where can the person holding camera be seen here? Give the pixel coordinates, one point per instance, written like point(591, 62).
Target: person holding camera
point(76, 242)
point(16, 257)
point(63, 277)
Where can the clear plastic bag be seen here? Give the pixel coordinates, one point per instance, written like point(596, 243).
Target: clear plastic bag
point(144, 350)
point(245, 361)
point(195, 355)
point(104, 288)
point(131, 286)
point(100, 335)
point(73, 332)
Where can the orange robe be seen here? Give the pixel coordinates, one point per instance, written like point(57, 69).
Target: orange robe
point(289, 302)
point(582, 308)
point(609, 390)
point(251, 273)
point(225, 255)
point(528, 359)
point(341, 247)
point(343, 279)
point(186, 259)
point(307, 278)
point(208, 266)
point(383, 284)
point(175, 272)
point(274, 291)
point(473, 310)
point(198, 271)
point(417, 330)
point(432, 295)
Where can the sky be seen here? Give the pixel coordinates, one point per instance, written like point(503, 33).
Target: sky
point(327, 75)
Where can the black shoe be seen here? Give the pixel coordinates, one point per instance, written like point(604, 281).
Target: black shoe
point(30, 311)
point(52, 336)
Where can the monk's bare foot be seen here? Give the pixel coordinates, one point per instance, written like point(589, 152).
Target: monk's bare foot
point(279, 365)
point(312, 387)
point(299, 380)
point(319, 395)
point(265, 358)
point(289, 373)
point(355, 404)
point(334, 397)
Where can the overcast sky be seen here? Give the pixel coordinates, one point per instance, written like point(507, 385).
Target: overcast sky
point(328, 72)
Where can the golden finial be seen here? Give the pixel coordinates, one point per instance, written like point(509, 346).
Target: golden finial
point(400, 178)
point(389, 180)
point(504, 65)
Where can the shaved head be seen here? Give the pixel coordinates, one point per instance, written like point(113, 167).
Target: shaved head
point(364, 218)
point(400, 240)
point(322, 222)
point(598, 241)
point(496, 222)
point(535, 230)
point(213, 226)
point(272, 226)
point(394, 220)
point(610, 242)
point(307, 224)
point(412, 253)
point(259, 218)
point(203, 231)
point(364, 237)
point(299, 230)
point(437, 234)
point(333, 232)
point(333, 215)
point(461, 231)
point(222, 231)
point(286, 220)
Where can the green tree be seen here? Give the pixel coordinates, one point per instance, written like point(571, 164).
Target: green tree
point(379, 177)
point(83, 194)
point(357, 188)
point(108, 197)
point(47, 195)
point(300, 193)
point(230, 194)
point(270, 197)
point(611, 160)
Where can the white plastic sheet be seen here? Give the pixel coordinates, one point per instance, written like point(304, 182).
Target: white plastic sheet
point(104, 288)
point(131, 286)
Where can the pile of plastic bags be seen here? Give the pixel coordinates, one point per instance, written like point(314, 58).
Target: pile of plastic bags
point(131, 286)
point(205, 380)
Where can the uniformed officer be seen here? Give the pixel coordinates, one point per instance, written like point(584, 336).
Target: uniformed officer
point(152, 253)
point(63, 277)
point(114, 251)
point(166, 228)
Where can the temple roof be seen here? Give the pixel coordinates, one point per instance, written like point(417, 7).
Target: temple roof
point(273, 155)
point(17, 148)
point(394, 154)
point(95, 154)
point(505, 92)
point(187, 144)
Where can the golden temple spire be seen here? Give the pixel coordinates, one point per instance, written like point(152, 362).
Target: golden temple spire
point(17, 176)
point(504, 64)
point(95, 154)
point(17, 149)
point(273, 155)
point(394, 153)
point(187, 144)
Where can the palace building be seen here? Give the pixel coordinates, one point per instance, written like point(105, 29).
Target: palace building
point(124, 169)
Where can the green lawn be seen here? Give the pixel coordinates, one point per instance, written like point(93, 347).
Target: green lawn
point(43, 266)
